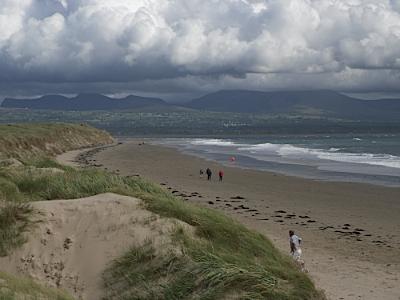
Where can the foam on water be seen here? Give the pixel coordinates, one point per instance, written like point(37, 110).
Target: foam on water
point(333, 154)
point(212, 142)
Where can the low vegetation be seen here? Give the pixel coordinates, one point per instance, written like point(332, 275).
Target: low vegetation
point(14, 221)
point(12, 288)
point(221, 259)
point(31, 140)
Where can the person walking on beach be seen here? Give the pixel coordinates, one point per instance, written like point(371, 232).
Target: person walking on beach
point(295, 249)
point(209, 174)
point(221, 175)
point(294, 242)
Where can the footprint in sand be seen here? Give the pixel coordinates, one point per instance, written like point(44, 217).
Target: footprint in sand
point(67, 243)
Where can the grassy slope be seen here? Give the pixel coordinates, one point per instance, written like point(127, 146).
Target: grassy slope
point(12, 288)
point(24, 140)
point(223, 260)
point(31, 144)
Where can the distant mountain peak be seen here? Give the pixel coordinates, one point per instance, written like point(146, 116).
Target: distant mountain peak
point(84, 101)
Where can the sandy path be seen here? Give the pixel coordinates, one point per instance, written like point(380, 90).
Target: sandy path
point(76, 239)
point(350, 231)
point(69, 158)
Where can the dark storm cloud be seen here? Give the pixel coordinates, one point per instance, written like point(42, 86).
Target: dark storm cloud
point(61, 45)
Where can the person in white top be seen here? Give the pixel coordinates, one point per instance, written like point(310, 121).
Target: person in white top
point(295, 242)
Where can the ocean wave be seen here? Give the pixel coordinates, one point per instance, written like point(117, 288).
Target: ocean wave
point(213, 142)
point(385, 160)
point(333, 154)
point(303, 153)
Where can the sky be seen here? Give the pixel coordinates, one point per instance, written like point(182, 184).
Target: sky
point(183, 48)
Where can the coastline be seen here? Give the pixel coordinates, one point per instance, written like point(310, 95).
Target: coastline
point(360, 262)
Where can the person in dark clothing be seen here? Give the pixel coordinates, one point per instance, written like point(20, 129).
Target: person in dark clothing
point(221, 175)
point(209, 174)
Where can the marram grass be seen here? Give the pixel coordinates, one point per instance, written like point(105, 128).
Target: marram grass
point(13, 288)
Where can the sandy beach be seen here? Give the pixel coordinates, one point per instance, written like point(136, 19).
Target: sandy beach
point(350, 230)
point(76, 240)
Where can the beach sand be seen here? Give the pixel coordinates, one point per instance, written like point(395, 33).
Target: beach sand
point(350, 231)
point(76, 240)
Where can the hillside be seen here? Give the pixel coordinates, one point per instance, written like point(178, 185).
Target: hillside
point(84, 102)
point(317, 103)
point(147, 244)
point(27, 140)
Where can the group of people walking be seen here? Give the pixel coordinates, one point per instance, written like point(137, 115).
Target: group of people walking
point(209, 174)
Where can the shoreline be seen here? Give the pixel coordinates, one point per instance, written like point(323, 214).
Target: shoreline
point(359, 261)
point(319, 169)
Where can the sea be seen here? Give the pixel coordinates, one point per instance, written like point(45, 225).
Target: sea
point(366, 158)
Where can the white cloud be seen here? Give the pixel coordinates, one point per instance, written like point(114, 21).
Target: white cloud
point(281, 43)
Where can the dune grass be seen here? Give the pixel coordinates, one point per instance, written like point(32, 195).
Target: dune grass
point(223, 258)
point(14, 221)
point(12, 288)
point(29, 140)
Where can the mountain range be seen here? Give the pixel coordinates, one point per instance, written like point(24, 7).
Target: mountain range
point(321, 103)
point(317, 103)
point(84, 102)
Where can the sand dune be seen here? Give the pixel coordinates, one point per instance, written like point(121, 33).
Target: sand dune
point(75, 240)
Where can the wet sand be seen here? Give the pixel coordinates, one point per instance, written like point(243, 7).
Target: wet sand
point(351, 231)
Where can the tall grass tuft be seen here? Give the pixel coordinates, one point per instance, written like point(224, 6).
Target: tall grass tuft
point(14, 220)
point(8, 190)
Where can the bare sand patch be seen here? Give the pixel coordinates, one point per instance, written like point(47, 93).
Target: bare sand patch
point(76, 239)
point(69, 158)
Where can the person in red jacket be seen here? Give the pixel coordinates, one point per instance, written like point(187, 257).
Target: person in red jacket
point(221, 175)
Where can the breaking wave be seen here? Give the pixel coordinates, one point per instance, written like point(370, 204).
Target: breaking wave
point(333, 154)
